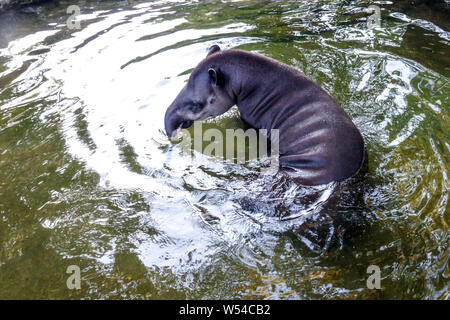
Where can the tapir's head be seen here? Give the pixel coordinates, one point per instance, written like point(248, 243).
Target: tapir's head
point(204, 97)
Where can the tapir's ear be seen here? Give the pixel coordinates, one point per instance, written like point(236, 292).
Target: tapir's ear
point(216, 76)
point(215, 48)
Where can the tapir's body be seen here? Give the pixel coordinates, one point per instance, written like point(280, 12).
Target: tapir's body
point(316, 137)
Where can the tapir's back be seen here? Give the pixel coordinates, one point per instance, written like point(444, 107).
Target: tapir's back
point(317, 137)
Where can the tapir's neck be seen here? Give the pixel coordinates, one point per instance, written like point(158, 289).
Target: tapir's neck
point(255, 84)
point(244, 75)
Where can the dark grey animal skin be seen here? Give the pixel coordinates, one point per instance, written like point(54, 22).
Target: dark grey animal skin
point(317, 138)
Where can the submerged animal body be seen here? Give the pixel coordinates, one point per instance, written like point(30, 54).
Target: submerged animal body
point(317, 139)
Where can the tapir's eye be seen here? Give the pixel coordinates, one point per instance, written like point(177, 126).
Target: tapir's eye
point(196, 107)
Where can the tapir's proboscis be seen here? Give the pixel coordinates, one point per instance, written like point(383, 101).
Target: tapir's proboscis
point(317, 139)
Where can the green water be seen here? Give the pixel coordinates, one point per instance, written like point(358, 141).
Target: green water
point(88, 178)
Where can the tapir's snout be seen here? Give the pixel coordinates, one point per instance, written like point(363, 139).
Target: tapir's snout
point(170, 122)
point(173, 121)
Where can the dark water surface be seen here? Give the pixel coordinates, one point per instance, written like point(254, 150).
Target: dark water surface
point(88, 178)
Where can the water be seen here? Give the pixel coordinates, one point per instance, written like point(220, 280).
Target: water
point(88, 178)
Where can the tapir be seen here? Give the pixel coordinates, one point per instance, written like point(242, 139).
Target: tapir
point(317, 139)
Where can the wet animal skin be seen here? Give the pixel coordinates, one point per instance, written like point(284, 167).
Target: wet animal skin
point(317, 139)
